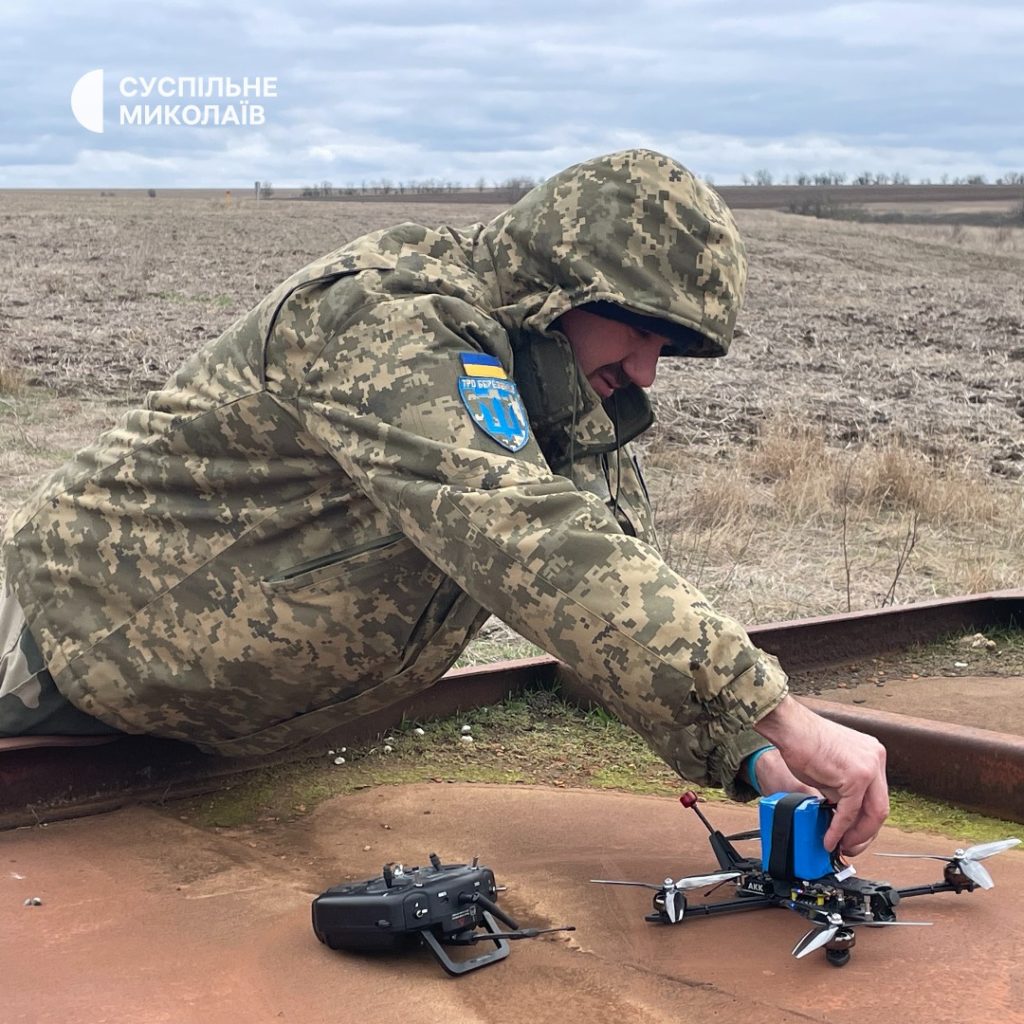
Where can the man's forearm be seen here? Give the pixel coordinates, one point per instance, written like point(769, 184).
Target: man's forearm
point(786, 719)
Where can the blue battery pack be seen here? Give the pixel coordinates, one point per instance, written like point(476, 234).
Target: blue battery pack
point(793, 827)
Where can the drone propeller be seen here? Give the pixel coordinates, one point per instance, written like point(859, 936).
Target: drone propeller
point(700, 881)
point(673, 909)
point(673, 889)
point(820, 935)
point(967, 860)
point(616, 881)
point(673, 906)
point(682, 885)
point(824, 932)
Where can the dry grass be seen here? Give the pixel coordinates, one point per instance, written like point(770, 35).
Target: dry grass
point(12, 380)
point(1005, 239)
point(810, 478)
point(771, 530)
point(875, 381)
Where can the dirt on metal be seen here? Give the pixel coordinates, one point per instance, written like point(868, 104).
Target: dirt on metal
point(145, 918)
point(986, 702)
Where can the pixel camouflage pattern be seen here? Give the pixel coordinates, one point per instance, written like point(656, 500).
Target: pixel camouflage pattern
point(304, 525)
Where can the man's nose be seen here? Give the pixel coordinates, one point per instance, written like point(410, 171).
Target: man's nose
point(641, 365)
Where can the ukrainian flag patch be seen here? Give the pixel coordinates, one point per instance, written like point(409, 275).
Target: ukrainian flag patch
point(476, 364)
point(493, 401)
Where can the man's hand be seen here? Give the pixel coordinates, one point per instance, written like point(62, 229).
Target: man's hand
point(774, 776)
point(847, 767)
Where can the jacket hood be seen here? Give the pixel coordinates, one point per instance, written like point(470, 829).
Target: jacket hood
point(634, 228)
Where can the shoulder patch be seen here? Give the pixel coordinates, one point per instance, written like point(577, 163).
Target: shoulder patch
point(496, 408)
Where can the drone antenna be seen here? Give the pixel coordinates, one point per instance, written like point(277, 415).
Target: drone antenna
point(725, 853)
point(521, 933)
point(689, 799)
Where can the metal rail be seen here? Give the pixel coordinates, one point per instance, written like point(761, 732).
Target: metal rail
point(45, 780)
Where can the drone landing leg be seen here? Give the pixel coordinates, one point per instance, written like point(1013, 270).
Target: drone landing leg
point(457, 967)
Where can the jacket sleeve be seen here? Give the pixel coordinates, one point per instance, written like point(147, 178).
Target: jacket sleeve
point(546, 557)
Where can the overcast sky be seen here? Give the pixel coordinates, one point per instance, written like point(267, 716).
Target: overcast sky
point(372, 89)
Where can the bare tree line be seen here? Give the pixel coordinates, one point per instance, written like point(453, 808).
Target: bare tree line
point(387, 187)
point(514, 187)
point(765, 177)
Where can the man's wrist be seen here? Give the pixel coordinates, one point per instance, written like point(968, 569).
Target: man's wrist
point(749, 767)
point(781, 721)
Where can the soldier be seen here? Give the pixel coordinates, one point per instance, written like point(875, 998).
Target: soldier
point(424, 427)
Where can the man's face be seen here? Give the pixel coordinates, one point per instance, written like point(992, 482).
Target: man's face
point(611, 354)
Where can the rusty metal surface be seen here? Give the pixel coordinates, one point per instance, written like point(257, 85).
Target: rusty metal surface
point(974, 768)
point(854, 636)
point(48, 778)
point(146, 919)
point(982, 702)
point(831, 639)
point(49, 783)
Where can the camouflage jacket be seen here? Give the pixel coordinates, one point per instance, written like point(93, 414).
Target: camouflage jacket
point(308, 524)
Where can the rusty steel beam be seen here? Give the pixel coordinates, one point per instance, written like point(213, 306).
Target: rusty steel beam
point(48, 778)
point(42, 781)
point(854, 636)
point(973, 768)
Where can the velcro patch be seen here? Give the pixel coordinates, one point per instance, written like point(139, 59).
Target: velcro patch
point(476, 364)
point(496, 408)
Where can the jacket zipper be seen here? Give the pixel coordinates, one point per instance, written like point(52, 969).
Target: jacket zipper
point(334, 558)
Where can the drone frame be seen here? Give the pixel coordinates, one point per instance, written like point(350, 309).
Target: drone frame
point(834, 904)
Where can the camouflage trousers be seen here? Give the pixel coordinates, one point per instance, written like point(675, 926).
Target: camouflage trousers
point(30, 703)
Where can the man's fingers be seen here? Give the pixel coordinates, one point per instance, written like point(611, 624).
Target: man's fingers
point(848, 767)
point(854, 851)
point(874, 810)
point(847, 811)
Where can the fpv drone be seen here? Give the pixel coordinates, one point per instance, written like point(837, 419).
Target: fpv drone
point(795, 871)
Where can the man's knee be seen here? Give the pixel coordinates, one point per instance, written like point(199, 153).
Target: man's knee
point(30, 703)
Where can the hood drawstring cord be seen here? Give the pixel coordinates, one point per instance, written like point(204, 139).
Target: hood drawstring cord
point(618, 455)
point(572, 428)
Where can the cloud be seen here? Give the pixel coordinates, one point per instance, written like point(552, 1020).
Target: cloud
point(460, 90)
point(935, 28)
